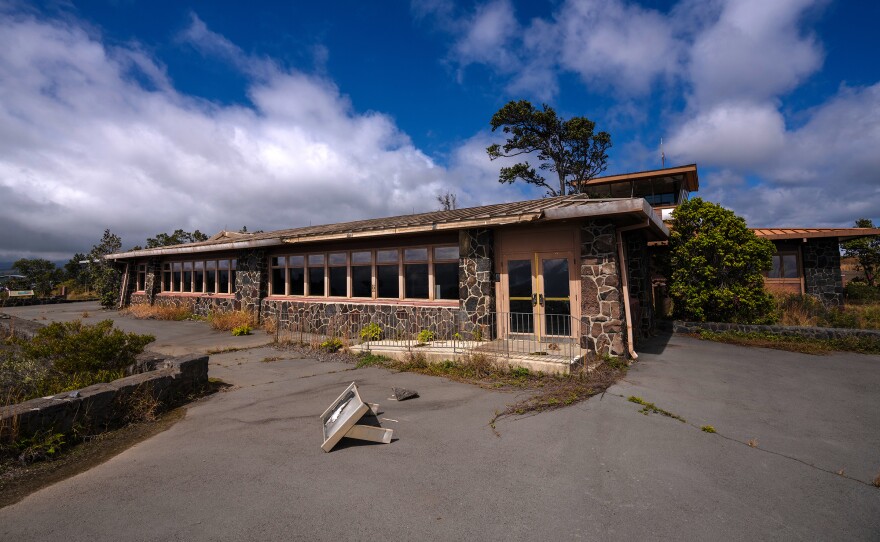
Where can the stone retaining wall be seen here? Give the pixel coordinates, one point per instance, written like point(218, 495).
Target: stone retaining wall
point(101, 406)
point(602, 329)
point(788, 331)
point(19, 327)
point(200, 305)
point(347, 319)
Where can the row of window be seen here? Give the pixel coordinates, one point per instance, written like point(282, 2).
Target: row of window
point(205, 276)
point(408, 273)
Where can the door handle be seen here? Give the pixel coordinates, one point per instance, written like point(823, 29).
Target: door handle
point(534, 299)
point(541, 299)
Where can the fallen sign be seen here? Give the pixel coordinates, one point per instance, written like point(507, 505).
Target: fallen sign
point(340, 420)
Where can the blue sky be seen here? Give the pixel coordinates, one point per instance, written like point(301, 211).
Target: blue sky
point(143, 117)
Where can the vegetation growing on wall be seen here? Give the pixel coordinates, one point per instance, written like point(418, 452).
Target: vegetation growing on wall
point(717, 266)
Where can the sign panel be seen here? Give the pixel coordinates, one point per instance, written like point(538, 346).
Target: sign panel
point(21, 293)
point(341, 416)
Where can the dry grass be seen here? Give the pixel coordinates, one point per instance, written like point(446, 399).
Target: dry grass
point(876, 481)
point(269, 325)
point(157, 312)
point(227, 321)
point(549, 392)
point(753, 443)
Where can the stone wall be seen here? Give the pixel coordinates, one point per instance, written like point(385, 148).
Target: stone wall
point(602, 329)
point(251, 280)
point(347, 319)
point(639, 274)
point(476, 277)
point(788, 331)
point(153, 281)
point(822, 278)
point(200, 305)
point(100, 406)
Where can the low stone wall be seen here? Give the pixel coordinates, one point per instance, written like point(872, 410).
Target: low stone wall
point(19, 327)
point(199, 305)
point(787, 331)
point(101, 406)
point(397, 321)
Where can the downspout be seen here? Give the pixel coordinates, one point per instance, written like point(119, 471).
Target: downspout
point(624, 282)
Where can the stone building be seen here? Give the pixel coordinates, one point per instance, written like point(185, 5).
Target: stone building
point(566, 268)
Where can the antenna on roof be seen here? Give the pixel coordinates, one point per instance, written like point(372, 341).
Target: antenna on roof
point(662, 155)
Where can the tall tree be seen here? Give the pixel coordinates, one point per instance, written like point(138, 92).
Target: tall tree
point(104, 275)
point(866, 250)
point(42, 275)
point(570, 148)
point(76, 271)
point(177, 238)
point(717, 266)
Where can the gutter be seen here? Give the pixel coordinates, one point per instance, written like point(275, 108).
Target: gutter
point(624, 282)
point(194, 249)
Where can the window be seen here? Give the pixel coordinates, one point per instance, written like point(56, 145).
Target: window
point(279, 264)
point(316, 274)
point(186, 283)
point(388, 274)
point(338, 274)
point(415, 272)
point(141, 277)
point(362, 274)
point(203, 276)
point(210, 276)
point(198, 276)
point(785, 266)
point(166, 277)
point(296, 275)
point(410, 273)
point(661, 199)
point(446, 273)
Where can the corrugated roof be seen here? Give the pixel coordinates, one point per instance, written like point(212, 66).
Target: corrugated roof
point(487, 215)
point(809, 233)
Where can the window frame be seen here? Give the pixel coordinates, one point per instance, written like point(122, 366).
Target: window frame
point(374, 264)
point(176, 269)
point(782, 268)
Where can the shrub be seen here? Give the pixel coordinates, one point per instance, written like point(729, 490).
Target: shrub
point(371, 332)
point(158, 312)
point(425, 336)
point(860, 292)
point(241, 330)
point(74, 347)
point(717, 266)
point(333, 344)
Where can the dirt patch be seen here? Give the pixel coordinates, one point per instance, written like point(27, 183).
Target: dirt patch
point(18, 481)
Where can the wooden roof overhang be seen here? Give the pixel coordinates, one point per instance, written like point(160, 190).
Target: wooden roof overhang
point(813, 233)
point(624, 211)
point(687, 174)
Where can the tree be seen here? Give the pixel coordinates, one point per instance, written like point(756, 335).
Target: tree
point(42, 275)
point(866, 250)
point(177, 238)
point(717, 266)
point(447, 201)
point(104, 275)
point(570, 148)
point(76, 271)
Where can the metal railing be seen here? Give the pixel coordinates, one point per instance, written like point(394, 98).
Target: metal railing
point(548, 337)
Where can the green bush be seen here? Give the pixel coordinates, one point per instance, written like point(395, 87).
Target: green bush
point(244, 329)
point(371, 332)
point(860, 292)
point(74, 347)
point(717, 266)
point(425, 336)
point(333, 344)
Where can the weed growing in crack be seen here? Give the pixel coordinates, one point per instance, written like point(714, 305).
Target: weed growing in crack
point(648, 408)
point(708, 429)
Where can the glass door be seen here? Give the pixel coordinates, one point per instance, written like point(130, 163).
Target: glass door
point(554, 295)
point(539, 294)
point(521, 296)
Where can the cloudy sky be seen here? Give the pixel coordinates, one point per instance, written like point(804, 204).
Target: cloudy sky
point(147, 116)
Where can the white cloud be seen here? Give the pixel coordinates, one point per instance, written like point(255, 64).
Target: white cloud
point(486, 37)
point(85, 145)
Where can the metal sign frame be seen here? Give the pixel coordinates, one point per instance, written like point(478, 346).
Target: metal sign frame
point(341, 417)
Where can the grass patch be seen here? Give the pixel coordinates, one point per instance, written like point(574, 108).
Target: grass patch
point(862, 345)
point(158, 312)
point(806, 310)
point(708, 429)
point(648, 408)
point(230, 320)
point(270, 359)
point(550, 392)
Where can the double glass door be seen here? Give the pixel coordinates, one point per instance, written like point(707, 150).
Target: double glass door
point(539, 293)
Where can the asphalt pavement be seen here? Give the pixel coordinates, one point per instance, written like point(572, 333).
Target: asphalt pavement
point(246, 463)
